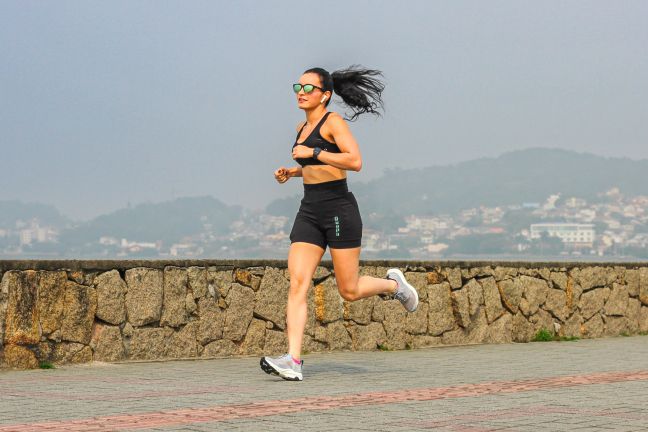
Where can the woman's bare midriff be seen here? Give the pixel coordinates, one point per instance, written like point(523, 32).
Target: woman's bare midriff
point(322, 173)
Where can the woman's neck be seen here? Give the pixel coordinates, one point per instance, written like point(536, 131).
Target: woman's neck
point(313, 116)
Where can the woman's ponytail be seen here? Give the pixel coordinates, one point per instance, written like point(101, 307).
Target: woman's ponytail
point(357, 87)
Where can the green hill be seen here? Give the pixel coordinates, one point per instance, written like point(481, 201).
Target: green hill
point(148, 222)
point(13, 210)
point(513, 178)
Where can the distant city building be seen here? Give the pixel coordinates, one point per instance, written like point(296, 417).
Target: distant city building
point(530, 205)
point(574, 234)
point(25, 236)
point(274, 222)
point(437, 248)
point(614, 192)
point(106, 240)
point(640, 240)
point(491, 215)
point(41, 234)
point(468, 214)
point(631, 211)
point(180, 249)
point(35, 233)
point(612, 223)
point(137, 246)
point(586, 215)
point(550, 204)
point(574, 202)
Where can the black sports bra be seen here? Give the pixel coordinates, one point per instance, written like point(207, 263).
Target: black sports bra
point(315, 139)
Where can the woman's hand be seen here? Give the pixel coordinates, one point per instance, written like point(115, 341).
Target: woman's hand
point(302, 152)
point(282, 175)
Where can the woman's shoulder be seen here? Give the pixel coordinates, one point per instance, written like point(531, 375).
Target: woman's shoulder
point(300, 125)
point(335, 116)
point(333, 121)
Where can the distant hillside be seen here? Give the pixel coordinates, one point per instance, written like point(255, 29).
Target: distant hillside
point(148, 222)
point(13, 210)
point(521, 176)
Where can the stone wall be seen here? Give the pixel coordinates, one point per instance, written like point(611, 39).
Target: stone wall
point(80, 311)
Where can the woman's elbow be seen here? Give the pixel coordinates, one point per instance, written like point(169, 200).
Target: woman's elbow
point(357, 166)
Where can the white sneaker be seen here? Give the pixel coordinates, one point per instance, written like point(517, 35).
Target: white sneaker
point(405, 292)
point(283, 366)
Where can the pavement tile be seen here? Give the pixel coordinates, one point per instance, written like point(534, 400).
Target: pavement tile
point(597, 384)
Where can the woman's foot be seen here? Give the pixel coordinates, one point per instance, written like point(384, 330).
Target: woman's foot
point(283, 366)
point(405, 293)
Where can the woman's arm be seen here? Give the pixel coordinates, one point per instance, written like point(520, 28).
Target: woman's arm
point(349, 158)
point(345, 161)
point(295, 171)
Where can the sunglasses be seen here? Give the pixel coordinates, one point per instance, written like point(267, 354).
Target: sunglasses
point(307, 88)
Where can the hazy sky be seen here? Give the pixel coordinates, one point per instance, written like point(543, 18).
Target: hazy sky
point(102, 103)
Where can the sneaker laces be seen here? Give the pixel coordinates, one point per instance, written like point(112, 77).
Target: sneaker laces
point(290, 361)
point(286, 357)
point(398, 295)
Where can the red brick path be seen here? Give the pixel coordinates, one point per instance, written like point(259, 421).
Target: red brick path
point(275, 407)
point(457, 422)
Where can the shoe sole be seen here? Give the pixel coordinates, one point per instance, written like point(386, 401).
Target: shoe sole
point(271, 369)
point(400, 274)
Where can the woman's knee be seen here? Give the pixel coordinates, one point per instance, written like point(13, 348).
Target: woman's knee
point(299, 286)
point(349, 294)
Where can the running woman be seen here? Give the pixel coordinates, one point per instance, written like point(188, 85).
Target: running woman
point(328, 215)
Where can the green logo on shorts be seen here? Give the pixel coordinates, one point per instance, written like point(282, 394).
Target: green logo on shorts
point(337, 226)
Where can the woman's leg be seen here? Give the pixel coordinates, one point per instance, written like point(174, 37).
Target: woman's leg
point(352, 287)
point(303, 259)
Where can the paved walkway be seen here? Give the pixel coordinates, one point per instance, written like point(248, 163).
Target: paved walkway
point(583, 385)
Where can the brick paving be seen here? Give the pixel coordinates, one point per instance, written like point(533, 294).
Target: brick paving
point(584, 385)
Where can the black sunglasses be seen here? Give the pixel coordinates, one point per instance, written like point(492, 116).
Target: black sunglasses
point(307, 88)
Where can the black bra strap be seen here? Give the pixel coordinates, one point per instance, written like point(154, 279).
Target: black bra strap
point(319, 125)
point(300, 131)
point(321, 122)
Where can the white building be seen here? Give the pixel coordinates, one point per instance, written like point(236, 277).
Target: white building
point(574, 202)
point(437, 248)
point(586, 215)
point(35, 233)
point(429, 224)
point(39, 234)
point(575, 234)
point(134, 246)
point(26, 236)
point(550, 204)
point(273, 222)
point(639, 240)
point(107, 240)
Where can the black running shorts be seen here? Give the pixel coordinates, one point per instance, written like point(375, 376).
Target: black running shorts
point(328, 215)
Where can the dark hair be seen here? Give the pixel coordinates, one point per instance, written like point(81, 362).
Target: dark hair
point(356, 86)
